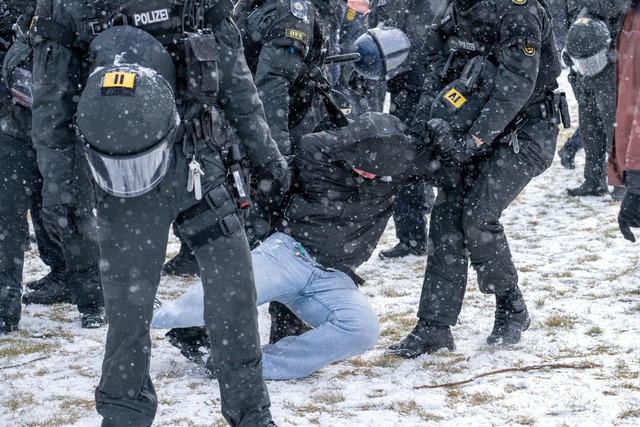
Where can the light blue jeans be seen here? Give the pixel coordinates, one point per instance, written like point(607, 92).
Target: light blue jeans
point(344, 323)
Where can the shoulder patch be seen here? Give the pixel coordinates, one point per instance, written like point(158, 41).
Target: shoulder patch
point(299, 9)
point(519, 1)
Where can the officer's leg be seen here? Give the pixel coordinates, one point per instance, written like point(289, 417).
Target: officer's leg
point(50, 252)
point(184, 262)
point(82, 254)
point(593, 139)
point(230, 313)
point(445, 279)
point(51, 288)
point(133, 240)
point(17, 174)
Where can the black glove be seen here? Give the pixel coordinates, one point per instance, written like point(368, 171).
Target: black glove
point(359, 84)
point(459, 149)
point(629, 215)
point(60, 221)
point(272, 180)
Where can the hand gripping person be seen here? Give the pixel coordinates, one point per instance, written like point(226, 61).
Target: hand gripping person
point(512, 141)
point(151, 87)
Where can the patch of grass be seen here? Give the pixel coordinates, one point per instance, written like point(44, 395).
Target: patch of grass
point(393, 292)
point(559, 321)
point(632, 412)
point(594, 331)
point(410, 407)
point(481, 398)
point(21, 347)
point(605, 348)
point(330, 397)
point(540, 302)
point(525, 420)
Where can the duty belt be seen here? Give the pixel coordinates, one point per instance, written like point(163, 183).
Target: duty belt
point(553, 107)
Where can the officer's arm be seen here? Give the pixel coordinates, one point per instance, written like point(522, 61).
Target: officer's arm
point(604, 8)
point(239, 98)
point(55, 89)
point(434, 52)
point(278, 67)
point(519, 62)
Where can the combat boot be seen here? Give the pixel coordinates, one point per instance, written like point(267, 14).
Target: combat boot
point(51, 289)
point(588, 189)
point(189, 341)
point(184, 264)
point(92, 316)
point(512, 318)
point(55, 275)
point(426, 337)
point(6, 326)
point(284, 323)
point(567, 158)
point(402, 250)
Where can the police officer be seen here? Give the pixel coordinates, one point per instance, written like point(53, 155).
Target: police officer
point(512, 141)
point(591, 48)
point(21, 190)
point(414, 201)
point(168, 80)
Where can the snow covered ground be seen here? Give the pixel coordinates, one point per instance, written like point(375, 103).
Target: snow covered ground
point(578, 365)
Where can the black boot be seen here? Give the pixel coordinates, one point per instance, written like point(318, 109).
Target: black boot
point(92, 316)
point(403, 249)
point(184, 264)
point(512, 318)
point(568, 152)
point(55, 275)
point(190, 341)
point(284, 323)
point(6, 326)
point(51, 289)
point(588, 189)
point(426, 337)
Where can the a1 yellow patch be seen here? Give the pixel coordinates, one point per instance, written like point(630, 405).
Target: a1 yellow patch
point(519, 1)
point(529, 50)
point(119, 79)
point(455, 98)
point(350, 15)
point(296, 35)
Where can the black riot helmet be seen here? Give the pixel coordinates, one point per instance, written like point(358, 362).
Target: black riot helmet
point(127, 115)
point(383, 53)
point(588, 45)
point(461, 102)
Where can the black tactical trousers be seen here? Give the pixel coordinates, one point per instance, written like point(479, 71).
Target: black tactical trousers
point(133, 235)
point(597, 111)
point(413, 202)
point(465, 224)
point(20, 191)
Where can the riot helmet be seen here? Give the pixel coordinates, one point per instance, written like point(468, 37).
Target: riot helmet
point(461, 102)
point(127, 116)
point(588, 45)
point(383, 53)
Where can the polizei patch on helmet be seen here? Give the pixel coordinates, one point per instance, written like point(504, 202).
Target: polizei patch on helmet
point(150, 17)
point(455, 98)
point(119, 83)
point(296, 35)
point(519, 1)
point(529, 50)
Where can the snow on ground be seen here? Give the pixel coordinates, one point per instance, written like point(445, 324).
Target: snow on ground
point(580, 280)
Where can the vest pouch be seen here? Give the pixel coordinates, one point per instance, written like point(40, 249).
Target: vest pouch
point(201, 56)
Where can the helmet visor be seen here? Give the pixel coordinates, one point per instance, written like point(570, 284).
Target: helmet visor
point(131, 176)
point(592, 65)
